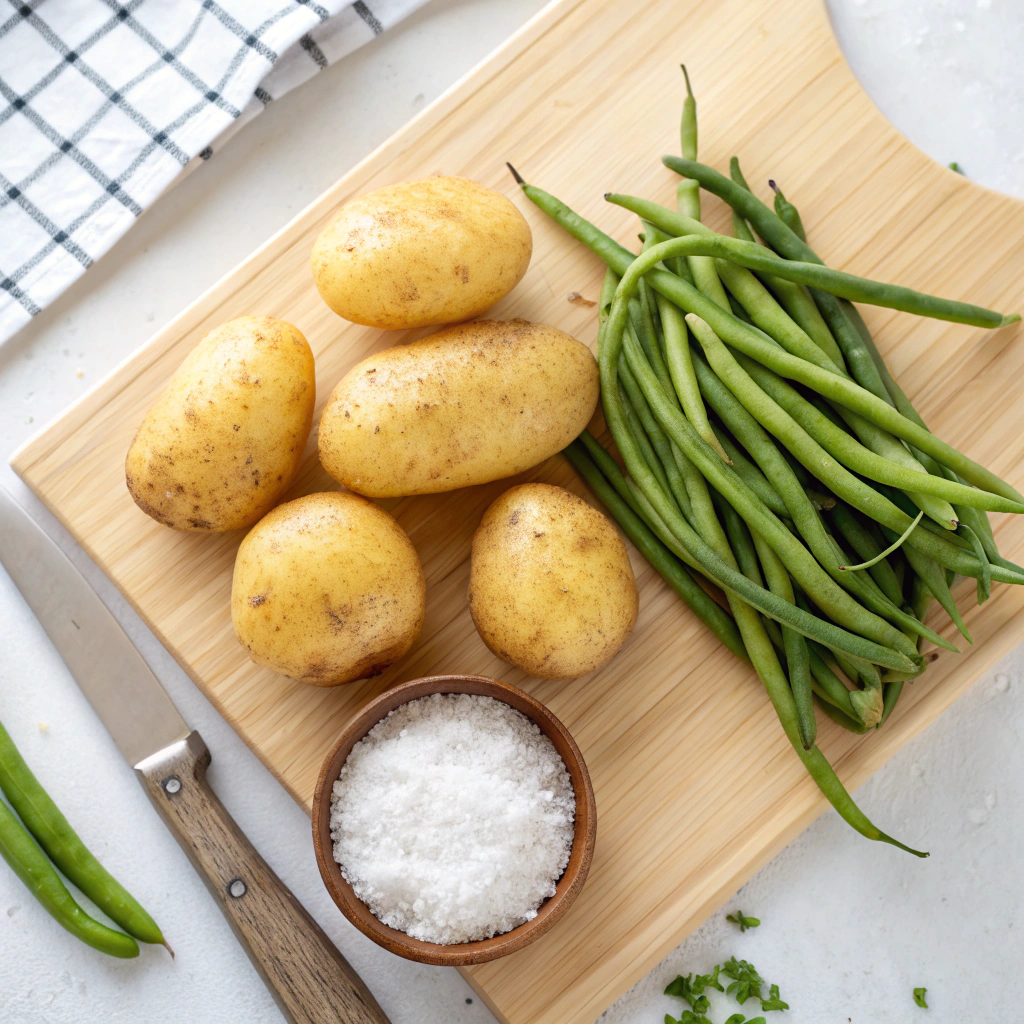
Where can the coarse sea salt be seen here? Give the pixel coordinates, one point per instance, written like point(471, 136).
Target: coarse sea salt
point(452, 818)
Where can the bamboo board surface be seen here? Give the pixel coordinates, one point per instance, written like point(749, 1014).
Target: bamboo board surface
point(696, 787)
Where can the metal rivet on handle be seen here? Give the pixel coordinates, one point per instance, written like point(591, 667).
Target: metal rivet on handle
point(172, 784)
point(236, 888)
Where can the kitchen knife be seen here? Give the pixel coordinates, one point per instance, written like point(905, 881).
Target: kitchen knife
point(311, 981)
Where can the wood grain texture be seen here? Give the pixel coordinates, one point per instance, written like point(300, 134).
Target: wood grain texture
point(307, 976)
point(585, 99)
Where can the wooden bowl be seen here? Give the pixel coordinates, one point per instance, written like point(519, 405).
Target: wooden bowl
point(569, 885)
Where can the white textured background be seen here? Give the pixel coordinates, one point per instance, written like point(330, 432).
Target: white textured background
point(849, 928)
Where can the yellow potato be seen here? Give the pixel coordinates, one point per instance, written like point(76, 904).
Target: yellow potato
point(420, 253)
point(225, 439)
point(327, 588)
point(472, 403)
point(550, 587)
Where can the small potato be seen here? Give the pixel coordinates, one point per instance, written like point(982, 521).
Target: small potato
point(225, 439)
point(472, 403)
point(327, 589)
point(551, 589)
point(420, 253)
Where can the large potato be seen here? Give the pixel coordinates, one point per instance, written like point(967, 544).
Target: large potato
point(550, 587)
point(420, 253)
point(327, 588)
point(472, 403)
point(225, 439)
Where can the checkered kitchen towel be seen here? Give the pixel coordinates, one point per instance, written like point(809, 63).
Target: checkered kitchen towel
point(104, 104)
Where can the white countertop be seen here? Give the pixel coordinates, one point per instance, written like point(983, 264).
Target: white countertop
point(849, 928)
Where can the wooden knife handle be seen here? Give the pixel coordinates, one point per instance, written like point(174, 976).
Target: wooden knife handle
point(311, 981)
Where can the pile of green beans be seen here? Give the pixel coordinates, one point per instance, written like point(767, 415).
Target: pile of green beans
point(769, 458)
point(35, 838)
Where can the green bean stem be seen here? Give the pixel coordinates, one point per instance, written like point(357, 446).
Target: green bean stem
point(30, 864)
point(894, 546)
point(51, 830)
point(864, 543)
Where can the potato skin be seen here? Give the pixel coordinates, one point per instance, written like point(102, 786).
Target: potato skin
point(471, 403)
point(551, 589)
point(420, 253)
point(327, 589)
point(225, 439)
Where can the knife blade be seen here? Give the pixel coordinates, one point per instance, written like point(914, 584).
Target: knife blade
point(311, 981)
point(115, 678)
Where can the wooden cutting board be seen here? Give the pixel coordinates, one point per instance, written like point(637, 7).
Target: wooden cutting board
point(696, 787)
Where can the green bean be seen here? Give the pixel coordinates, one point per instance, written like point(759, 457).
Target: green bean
point(784, 478)
point(608, 286)
point(827, 685)
point(62, 844)
point(797, 302)
point(643, 329)
point(796, 251)
point(734, 172)
point(792, 297)
point(580, 453)
point(855, 456)
point(649, 436)
point(29, 863)
point(846, 721)
point(713, 566)
point(864, 543)
point(985, 583)
point(827, 594)
point(818, 276)
point(677, 355)
point(934, 578)
point(977, 520)
point(641, 439)
point(766, 663)
point(754, 478)
point(746, 339)
point(773, 320)
point(702, 268)
point(869, 703)
point(688, 120)
point(771, 417)
point(765, 312)
point(892, 691)
point(798, 659)
point(741, 229)
point(786, 211)
point(739, 335)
